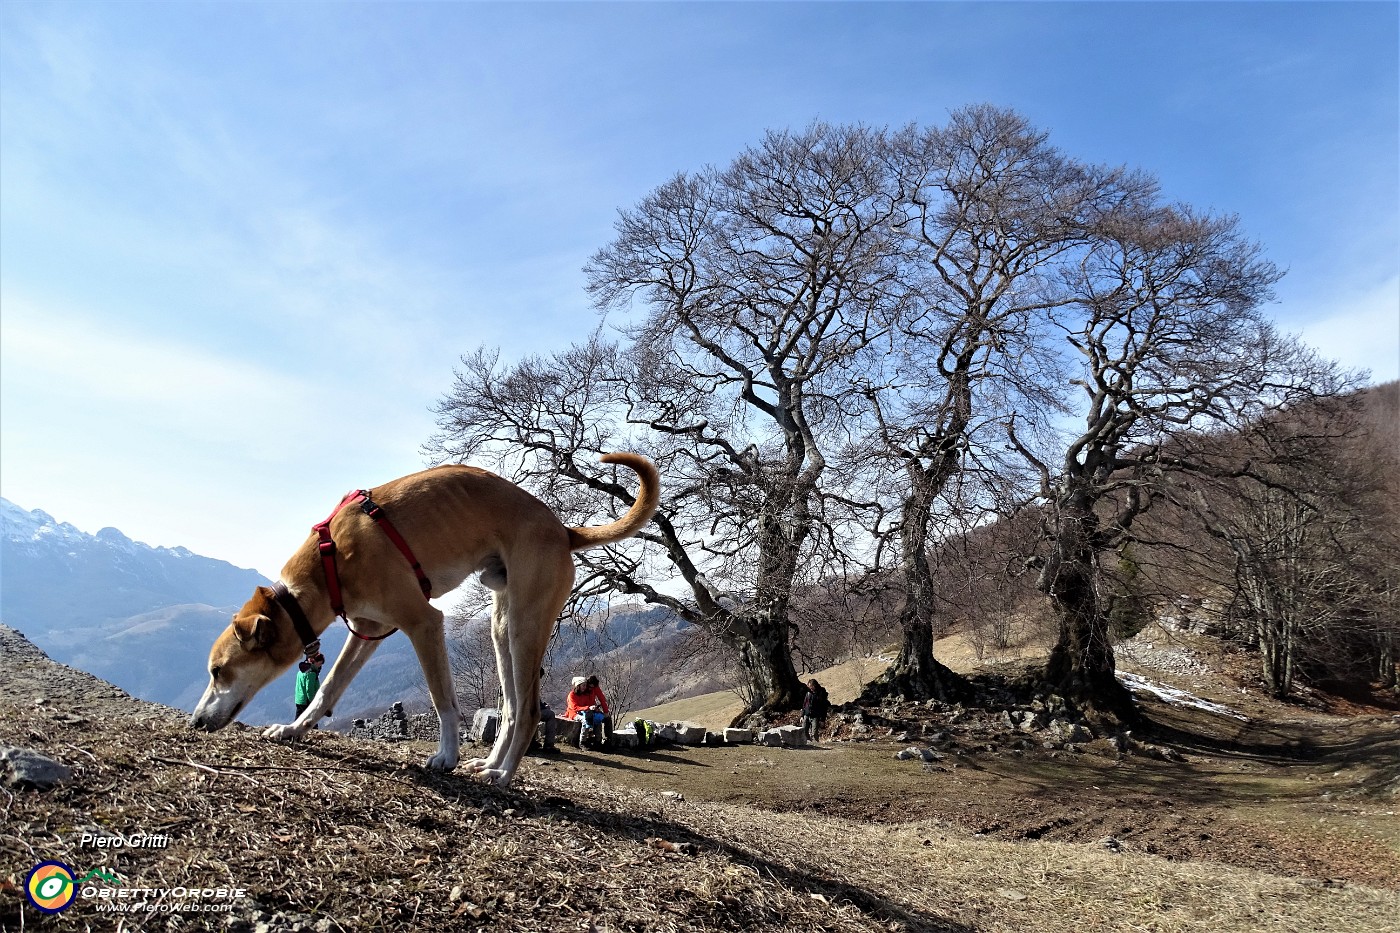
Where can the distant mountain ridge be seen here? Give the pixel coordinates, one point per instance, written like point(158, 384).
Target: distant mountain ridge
point(52, 573)
point(141, 617)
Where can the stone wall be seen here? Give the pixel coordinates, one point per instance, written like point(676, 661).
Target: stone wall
point(394, 725)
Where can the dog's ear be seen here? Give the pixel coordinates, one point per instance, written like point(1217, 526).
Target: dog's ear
point(254, 632)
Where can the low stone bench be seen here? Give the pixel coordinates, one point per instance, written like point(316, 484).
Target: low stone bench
point(789, 736)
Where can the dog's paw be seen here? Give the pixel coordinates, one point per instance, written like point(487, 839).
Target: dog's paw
point(475, 764)
point(498, 776)
point(285, 733)
point(442, 761)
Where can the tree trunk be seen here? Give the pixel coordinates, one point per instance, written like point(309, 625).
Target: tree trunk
point(1387, 653)
point(1081, 665)
point(761, 636)
point(766, 660)
point(916, 674)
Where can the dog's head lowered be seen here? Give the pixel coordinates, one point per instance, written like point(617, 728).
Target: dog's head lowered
point(252, 651)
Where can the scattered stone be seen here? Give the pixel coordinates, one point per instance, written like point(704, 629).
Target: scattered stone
point(485, 722)
point(791, 736)
point(1067, 731)
point(687, 733)
point(566, 731)
point(395, 725)
point(27, 768)
point(738, 736)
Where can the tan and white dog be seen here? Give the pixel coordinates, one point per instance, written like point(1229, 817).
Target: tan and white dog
point(459, 520)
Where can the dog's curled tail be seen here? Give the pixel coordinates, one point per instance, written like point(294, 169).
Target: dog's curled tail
point(637, 516)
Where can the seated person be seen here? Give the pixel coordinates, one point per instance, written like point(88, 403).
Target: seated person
point(587, 704)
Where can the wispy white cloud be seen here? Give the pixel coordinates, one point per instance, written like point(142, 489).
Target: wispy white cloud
point(106, 424)
point(178, 386)
point(1361, 330)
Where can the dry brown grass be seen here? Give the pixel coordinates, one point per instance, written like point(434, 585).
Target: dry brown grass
point(714, 711)
point(340, 834)
point(359, 835)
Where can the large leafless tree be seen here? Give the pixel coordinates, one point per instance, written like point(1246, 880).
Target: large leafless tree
point(753, 287)
point(992, 211)
point(745, 292)
point(1169, 341)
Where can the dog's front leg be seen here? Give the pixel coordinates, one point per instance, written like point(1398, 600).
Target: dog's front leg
point(352, 657)
point(431, 648)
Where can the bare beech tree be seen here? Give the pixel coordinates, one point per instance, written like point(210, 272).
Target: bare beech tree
point(992, 211)
point(472, 660)
point(753, 287)
point(1170, 343)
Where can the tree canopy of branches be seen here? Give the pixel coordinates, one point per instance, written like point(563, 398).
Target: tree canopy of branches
point(850, 344)
point(753, 286)
point(992, 212)
point(1169, 341)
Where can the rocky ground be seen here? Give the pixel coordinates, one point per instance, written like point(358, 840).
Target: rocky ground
point(1201, 822)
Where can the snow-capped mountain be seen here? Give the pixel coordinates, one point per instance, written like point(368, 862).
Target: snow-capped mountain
point(141, 617)
point(53, 575)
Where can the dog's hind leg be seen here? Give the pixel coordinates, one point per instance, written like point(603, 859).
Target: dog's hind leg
point(500, 642)
point(431, 648)
point(533, 603)
point(347, 664)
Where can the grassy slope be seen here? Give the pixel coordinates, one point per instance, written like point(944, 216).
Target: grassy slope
point(358, 836)
point(843, 682)
point(714, 711)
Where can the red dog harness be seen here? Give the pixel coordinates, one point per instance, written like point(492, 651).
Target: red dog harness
point(327, 548)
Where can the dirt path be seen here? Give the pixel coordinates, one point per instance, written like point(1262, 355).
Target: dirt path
point(1314, 797)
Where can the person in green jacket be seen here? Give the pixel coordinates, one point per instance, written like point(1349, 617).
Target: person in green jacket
point(308, 680)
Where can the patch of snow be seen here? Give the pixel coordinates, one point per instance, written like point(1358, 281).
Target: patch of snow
point(1174, 696)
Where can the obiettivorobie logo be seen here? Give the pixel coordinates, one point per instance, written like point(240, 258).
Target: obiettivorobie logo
point(51, 886)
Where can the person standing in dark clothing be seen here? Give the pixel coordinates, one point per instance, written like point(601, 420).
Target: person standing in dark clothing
point(815, 706)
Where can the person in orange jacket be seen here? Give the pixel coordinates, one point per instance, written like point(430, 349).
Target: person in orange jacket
point(587, 704)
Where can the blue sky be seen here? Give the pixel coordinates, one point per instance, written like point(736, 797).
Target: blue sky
point(242, 245)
